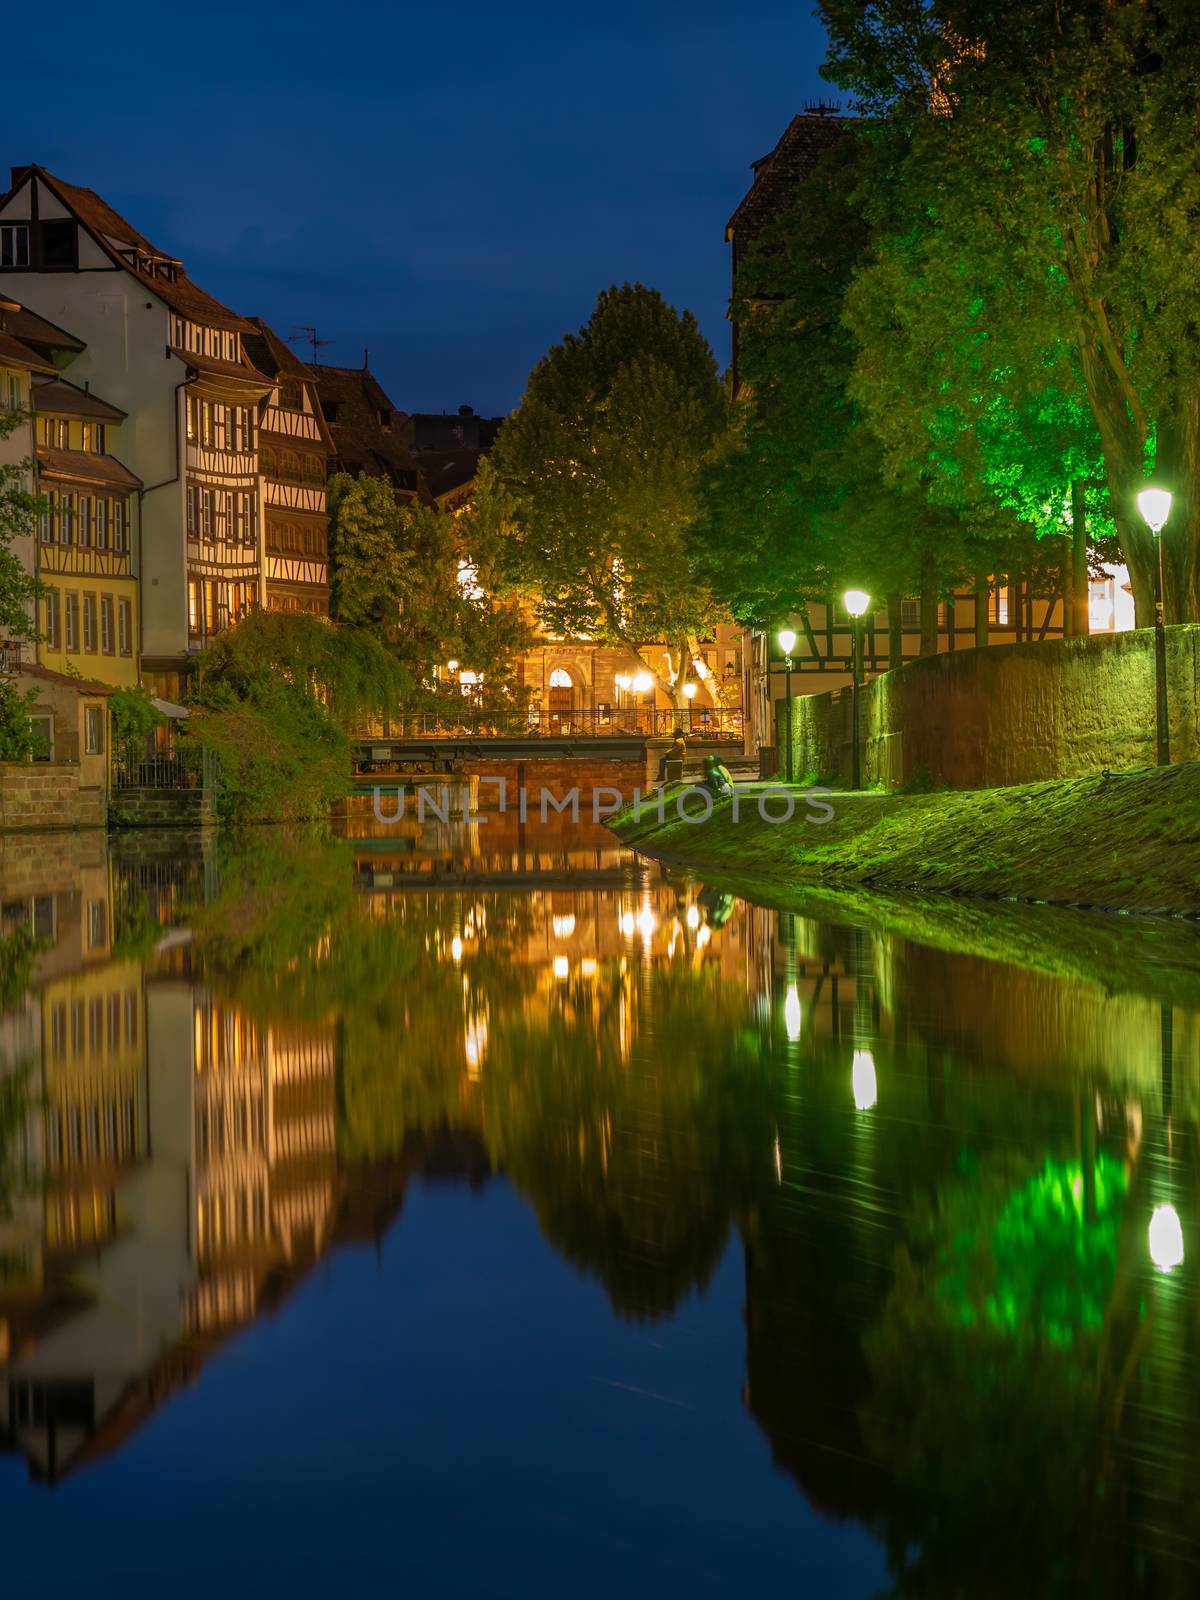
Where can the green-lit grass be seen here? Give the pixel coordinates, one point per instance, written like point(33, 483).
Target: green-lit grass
point(1125, 841)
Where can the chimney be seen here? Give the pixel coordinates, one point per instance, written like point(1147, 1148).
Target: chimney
point(466, 411)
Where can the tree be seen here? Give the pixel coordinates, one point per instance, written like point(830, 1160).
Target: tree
point(807, 503)
point(19, 589)
point(419, 581)
point(1048, 237)
point(595, 481)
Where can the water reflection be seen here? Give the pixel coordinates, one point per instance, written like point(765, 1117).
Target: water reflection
point(963, 1191)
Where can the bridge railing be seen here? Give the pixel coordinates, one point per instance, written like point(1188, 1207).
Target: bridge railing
point(703, 722)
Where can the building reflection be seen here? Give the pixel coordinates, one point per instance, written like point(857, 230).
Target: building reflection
point(942, 1171)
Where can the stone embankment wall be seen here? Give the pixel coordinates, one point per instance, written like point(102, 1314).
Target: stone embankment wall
point(48, 795)
point(1016, 713)
point(160, 808)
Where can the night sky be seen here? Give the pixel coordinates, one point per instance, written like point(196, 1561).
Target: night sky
point(448, 184)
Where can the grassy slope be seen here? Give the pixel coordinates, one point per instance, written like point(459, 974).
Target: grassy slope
point(933, 867)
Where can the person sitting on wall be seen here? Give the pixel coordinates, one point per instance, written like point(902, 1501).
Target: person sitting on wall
point(718, 778)
point(676, 751)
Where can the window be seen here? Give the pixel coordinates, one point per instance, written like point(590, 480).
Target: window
point(193, 511)
point(103, 507)
point(267, 462)
point(53, 619)
point(120, 526)
point(910, 613)
point(289, 465)
point(43, 736)
point(12, 391)
point(56, 432)
point(125, 627)
point(106, 624)
point(229, 531)
point(192, 414)
point(14, 244)
point(72, 622)
point(89, 623)
point(193, 606)
point(291, 396)
point(246, 518)
point(205, 422)
point(66, 518)
point(58, 242)
point(219, 416)
point(999, 607)
point(93, 730)
point(83, 522)
point(46, 527)
point(207, 515)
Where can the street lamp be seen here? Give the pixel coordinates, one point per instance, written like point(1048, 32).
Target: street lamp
point(787, 643)
point(1155, 506)
point(857, 603)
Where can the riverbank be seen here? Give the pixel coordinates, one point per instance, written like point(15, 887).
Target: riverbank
point(1120, 841)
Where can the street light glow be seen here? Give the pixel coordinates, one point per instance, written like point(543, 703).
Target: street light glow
point(642, 683)
point(689, 689)
point(857, 602)
point(787, 640)
point(862, 1080)
point(792, 1015)
point(1155, 506)
point(1166, 1235)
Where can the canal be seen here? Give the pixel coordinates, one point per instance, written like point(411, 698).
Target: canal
point(495, 1213)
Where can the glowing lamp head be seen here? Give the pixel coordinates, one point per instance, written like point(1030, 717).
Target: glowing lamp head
point(857, 602)
point(1155, 506)
point(452, 666)
point(689, 689)
point(623, 680)
point(787, 640)
point(1166, 1238)
point(643, 683)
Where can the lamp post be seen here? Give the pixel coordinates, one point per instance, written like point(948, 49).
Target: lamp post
point(787, 643)
point(1155, 506)
point(857, 603)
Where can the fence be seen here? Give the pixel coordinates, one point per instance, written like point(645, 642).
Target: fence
point(697, 722)
point(180, 768)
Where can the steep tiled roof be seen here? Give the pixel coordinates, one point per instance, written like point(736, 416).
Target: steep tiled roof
point(69, 400)
point(272, 354)
point(777, 176)
point(15, 354)
point(30, 329)
point(448, 446)
point(114, 234)
point(355, 405)
point(83, 466)
point(241, 371)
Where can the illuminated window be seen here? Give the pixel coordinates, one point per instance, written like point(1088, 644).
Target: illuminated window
point(560, 679)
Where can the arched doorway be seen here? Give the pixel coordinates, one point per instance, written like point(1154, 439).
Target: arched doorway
point(560, 700)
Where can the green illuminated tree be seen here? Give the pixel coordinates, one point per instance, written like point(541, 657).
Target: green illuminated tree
point(594, 481)
point(1038, 236)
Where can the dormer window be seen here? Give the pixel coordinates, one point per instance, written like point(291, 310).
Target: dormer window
point(14, 244)
point(330, 408)
point(385, 419)
point(56, 432)
point(291, 396)
point(57, 238)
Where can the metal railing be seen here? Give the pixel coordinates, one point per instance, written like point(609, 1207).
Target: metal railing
point(133, 768)
point(10, 657)
point(707, 722)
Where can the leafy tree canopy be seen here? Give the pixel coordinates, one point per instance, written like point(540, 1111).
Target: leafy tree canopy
point(596, 479)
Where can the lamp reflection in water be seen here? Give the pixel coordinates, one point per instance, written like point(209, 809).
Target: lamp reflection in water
point(647, 922)
point(862, 1079)
point(1166, 1238)
point(693, 916)
point(791, 1013)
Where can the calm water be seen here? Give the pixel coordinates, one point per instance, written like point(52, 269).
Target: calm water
point(465, 1217)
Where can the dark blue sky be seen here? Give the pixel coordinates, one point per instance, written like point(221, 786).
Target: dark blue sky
point(450, 184)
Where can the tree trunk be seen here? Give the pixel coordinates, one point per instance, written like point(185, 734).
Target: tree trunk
point(1077, 624)
point(929, 609)
point(895, 612)
point(981, 610)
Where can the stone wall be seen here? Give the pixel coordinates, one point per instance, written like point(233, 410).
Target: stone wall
point(48, 795)
point(1015, 713)
point(161, 808)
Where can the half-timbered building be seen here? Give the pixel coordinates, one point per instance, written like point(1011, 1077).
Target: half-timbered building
point(171, 357)
point(294, 450)
point(86, 534)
